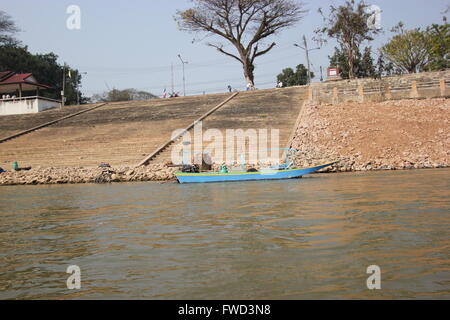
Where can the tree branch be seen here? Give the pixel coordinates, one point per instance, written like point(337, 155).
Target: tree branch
point(260, 53)
point(220, 49)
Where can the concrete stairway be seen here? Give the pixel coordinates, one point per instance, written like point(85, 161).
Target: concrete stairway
point(118, 134)
point(262, 109)
point(125, 133)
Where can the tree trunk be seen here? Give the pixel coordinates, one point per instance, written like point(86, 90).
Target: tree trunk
point(248, 72)
point(351, 64)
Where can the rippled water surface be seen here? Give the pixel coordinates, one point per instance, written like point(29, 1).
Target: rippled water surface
point(298, 239)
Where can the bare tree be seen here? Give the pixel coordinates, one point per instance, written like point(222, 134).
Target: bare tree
point(246, 24)
point(7, 28)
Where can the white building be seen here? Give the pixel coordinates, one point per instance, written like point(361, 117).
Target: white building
point(13, 85)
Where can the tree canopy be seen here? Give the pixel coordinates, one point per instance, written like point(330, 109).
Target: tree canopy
point(363, 65)
point(348, 25)
point(417, 50)
point(408, 50)
point(116, 95)
point(16, 57)
point(245, 24)
point(45, 68)
point(290, 78)
point(439, 46)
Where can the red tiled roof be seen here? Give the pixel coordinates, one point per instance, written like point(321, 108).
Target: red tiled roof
point(13, 78)
point(5, 74)
point(16, 78)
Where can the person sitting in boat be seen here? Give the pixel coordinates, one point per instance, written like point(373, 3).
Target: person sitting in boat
point(203, 161)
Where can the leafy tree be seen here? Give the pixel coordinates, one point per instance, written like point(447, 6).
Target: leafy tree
point(363, 65)
point(348, 25)
point(16, 57)
point(116, 95)
point(366, 67)
point(290, 78)
point(417, 50)
point(339, 59)
point(245, 24)
point(408, 51)
point(7, 29)
point(439, 46)
point(45, 68)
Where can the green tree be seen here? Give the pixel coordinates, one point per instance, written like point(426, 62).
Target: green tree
point(363, 64)
point(45, 68)
point(348, 25)
point(408, 51)
point(439, 46)
point(366, 67)
point(116, 95)
point(16, 57)
point(245, 24)
point(290, 78)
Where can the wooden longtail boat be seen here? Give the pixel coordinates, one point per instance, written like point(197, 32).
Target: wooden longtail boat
point(266, 174)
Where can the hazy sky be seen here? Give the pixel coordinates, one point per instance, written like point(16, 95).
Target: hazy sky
point(132, 44)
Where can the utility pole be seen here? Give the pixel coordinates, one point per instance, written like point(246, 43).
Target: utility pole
point(184, 79)
point(63, 93)
point(305, 47)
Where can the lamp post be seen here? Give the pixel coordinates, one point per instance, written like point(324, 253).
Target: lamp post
point(184, 79)
point(63, 93)
point(305, 47)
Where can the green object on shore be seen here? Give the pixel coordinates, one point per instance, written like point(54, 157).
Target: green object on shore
point(223, 169)
point(15, 166)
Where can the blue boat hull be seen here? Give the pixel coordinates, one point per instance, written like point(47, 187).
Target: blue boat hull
point(247, 176)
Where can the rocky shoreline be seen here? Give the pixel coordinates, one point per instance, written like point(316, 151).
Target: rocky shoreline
point(99, 175)
point(39, 176)
point(157, 173)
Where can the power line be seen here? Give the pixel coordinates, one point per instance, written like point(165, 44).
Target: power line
point(198, 84)
point(133, 70)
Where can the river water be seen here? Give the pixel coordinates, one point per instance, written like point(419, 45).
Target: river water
point(300, 239)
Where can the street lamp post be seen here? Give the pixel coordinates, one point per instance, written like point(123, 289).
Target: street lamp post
point(63, 92)
point(305, 47)
point(184, 79)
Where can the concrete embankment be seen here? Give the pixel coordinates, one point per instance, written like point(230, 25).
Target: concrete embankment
point(390, 135)
point(354, 123)
point(123, 134)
